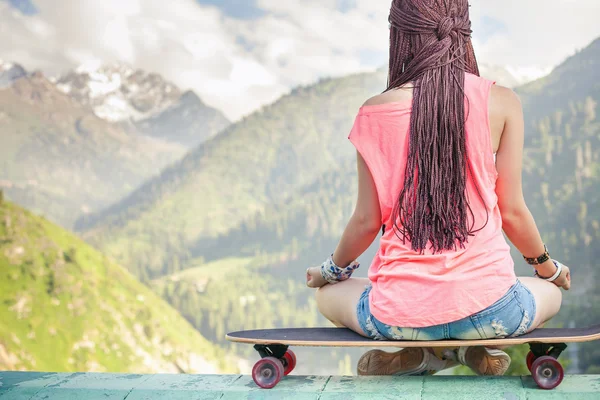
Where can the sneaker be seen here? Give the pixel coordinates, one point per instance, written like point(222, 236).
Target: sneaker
point(408, 361)
point(484, 361)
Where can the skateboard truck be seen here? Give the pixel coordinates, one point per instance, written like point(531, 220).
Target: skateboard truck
point(553, 350)
point(272, 350)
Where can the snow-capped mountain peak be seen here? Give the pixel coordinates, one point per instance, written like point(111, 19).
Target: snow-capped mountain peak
point(117, 92)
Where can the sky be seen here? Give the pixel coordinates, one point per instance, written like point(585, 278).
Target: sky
point(238, 55)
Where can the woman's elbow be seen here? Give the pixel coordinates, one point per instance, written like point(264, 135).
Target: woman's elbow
point(368, 222)
point(514, 216)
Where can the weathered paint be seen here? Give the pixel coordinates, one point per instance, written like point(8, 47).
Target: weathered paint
point(573, 387)
point(91, 386)
point(373, 387)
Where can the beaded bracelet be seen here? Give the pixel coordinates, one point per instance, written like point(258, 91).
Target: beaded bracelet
point(334, 274)
point(538, 260)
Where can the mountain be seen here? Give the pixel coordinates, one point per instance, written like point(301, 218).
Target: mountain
point(572, 81)
point(562, 178)
point(119, 92)
point(145, 100)
point(562, 155)
point(307, 222)
point(66, 307)
point(58, 158)
point(188, 121)
point(10, 72)
point(248, 166)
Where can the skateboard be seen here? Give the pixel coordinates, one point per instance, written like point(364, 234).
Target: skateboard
point(277, 360)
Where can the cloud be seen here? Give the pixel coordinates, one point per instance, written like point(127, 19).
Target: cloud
point(238, 58)
point(538, 33)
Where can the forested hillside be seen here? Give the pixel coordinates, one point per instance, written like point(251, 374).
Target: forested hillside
point(66, 307)
point(562, 180)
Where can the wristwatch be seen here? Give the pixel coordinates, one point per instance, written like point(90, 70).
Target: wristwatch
point(559, 268)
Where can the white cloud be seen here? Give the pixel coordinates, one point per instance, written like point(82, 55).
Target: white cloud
point(540, 33)
point(295, 43)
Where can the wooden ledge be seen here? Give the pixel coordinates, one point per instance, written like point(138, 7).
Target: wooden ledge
point(92, 386)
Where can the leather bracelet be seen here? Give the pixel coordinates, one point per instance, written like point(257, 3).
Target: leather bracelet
point(538, 260)
point(334, 274)
point(559, 269)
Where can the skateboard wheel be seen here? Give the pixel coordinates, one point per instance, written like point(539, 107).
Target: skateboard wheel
point(530, 359)
point(547, 372)
point(289, 362)
point(267, 372)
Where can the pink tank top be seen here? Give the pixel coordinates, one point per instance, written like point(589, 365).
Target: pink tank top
point(412, 290)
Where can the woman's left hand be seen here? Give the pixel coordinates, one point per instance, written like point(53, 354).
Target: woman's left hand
point(314, 278)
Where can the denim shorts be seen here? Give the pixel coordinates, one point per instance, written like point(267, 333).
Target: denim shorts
point(510, 316)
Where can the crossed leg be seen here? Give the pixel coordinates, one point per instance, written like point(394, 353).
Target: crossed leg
point(338, 302)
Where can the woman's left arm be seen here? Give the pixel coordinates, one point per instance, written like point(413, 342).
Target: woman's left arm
point(361, 230)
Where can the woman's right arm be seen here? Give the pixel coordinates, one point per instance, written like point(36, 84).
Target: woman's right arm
point(517, 221)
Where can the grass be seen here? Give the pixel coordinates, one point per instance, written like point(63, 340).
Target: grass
point(66, 307)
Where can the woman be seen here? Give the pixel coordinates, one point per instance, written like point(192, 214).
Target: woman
point(427, 175)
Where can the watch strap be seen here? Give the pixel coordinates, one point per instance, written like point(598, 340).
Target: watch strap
point(559, 268)
point(538, 260)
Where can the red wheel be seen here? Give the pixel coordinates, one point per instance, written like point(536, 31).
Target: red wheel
point(267, 372)
point(530, 359)
point(547, 372)
point(289, 362)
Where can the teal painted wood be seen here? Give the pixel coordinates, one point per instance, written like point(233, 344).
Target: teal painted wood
point(92, 386)
point(373, 387)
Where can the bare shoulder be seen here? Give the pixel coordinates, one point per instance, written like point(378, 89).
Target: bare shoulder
point(391, 96)
point(374, 100)
point(504, 98)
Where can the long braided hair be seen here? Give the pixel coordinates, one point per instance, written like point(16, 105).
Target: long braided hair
point(430, 47)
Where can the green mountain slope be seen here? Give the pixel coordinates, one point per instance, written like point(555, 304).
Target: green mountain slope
point(59, 159)
point(66, 307)
point(562, 177)
point(562, 156)
point(304, 224)
point(261, 159)
point(264, 291)
point(572, 81)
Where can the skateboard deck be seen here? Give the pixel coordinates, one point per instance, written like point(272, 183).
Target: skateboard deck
point(277, 360)
point(343, 337)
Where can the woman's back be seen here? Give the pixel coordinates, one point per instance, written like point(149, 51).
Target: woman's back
point(426, 171)
point(417, 290)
